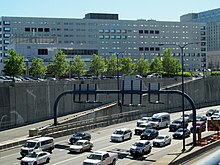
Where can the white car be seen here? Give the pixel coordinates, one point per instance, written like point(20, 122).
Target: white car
point(35, 158)
point(215, 116)
point(101, 158)
point(140, 147)
point(162, 140)
point(120, 135)
point(154, 75)
point(81, 146)
point(143, 120)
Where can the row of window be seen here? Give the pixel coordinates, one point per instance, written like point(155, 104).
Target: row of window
point(80, 51)
point(37, 30)
point(149, 49)
point(149, 32)
point(112, 37)
point(112, 31)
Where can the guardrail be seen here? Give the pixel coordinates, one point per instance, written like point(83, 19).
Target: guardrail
point(65, 129)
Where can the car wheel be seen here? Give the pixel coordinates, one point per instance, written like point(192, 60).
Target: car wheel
point(48, 160)
point(114, 162)
point(35, 163)
point(123, 138)
point(149, 151)
point(81, 150)
point(130, 136)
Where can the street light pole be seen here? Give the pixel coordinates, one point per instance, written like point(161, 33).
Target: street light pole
point(118, 84)
point(183, 106)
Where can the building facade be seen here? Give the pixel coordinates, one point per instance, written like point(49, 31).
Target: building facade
point(102, 34)
point(212, 20)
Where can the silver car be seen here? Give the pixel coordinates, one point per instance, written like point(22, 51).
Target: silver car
point(81, 146)
point(120, 135)
point(35, 158)
point(140, 147)
point(162, 140)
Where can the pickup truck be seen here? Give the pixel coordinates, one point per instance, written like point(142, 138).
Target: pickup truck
point(101, 158)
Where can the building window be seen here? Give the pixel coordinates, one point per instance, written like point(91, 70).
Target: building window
point(27, 29)
point(46, 29)
point(7, 35)
point(157, 49)
point(34, 29)
point(151, 32)
point(146, 49)
point(6, 42)
point(151, 48)
point(141, 31)
point(157, 32)
point(146, 31)
point(42, 52)
point(40, 29)
point(6, 22)
point(7, 29)
point(141, 49)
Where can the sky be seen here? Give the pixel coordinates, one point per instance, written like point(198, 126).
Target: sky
point(160, 10)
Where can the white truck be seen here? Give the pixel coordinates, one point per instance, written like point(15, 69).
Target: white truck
point(101, 158)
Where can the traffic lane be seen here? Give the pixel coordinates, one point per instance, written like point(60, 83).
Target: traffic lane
point(105, 133)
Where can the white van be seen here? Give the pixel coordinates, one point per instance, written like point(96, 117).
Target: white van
point(160, 120)
point(38, 144)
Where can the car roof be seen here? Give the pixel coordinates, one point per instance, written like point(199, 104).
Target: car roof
point(40, 139)
point(162, 135)
point(142, 141)
point(123, 129)
point(83, 141)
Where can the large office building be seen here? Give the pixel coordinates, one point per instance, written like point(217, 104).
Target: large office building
point(103, 34)
point(212, 20)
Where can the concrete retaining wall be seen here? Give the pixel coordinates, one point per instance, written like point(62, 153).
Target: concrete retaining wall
point(28, 102)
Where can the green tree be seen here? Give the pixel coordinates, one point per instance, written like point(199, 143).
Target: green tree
point(14, 64)
point(78, 66)
point(97, 65)
point(126, 65)
point(142, 66)
point(156, 65)
point(111, 65)
point(170, 64)
point(37, 68)
point(59, 67)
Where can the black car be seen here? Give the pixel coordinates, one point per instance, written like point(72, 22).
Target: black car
point(79, 136)
point(179, 133)
point(178, 123)
point(149, 134)
point(210, 112)
point(201, 118)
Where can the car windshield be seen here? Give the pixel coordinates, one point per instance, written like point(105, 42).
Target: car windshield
point(155, 119)
point(142, 126)
point(138, 144)
point(160, 137)
point(177, 121)
point(79, 143)
point(211, 111)
point(119, 132)
point(95, 157)
point(32, 155)
point(145, 119)
point(30, 144)
point(180, 130)
point(79, 134)
point(148, 131)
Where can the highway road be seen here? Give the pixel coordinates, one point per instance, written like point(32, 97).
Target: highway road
point(101, 140)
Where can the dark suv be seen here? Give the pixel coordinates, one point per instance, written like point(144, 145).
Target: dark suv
point(178, 123)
